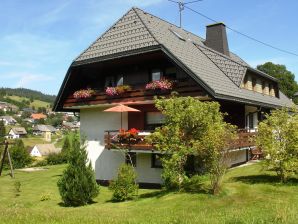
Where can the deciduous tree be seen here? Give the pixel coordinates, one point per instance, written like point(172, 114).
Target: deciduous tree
point(278, 139)
point(192, 127)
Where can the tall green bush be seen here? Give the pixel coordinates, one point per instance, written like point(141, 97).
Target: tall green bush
point(77, 186)
point(191, 128)
point(124, 187)
point(278, 139)
point(19, 155)
point(66, 148)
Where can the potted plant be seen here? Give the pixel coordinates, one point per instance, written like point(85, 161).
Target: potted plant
point(130, 136)
point(163, 84)
point(118, 90)
point(84, 93)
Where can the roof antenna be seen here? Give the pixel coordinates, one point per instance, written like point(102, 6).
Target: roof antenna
point(181, 5)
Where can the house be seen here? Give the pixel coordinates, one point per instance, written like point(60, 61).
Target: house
point(70, 125)
point(7, 107)
point(8, 120)
point(17, 132)
point(42, 129)
point(44, 150)
point(140, 48)
point(38, 116)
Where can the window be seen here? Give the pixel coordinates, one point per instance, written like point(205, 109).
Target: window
point(154, 120)
point(170, 73)
point(109, 81)
point(156, 74)
point(119, 80)
point(131, 158)
point(156, 161)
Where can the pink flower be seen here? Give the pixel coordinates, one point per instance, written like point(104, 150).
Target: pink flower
point(162, 84)
point(83, 93)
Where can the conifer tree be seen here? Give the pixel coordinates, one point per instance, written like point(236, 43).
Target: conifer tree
point(66, 148)
point(2, 130)
point(77, 186)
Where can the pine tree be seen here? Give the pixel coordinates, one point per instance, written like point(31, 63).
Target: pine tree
point(77, 186)
point(66, 148)
point(2, 130)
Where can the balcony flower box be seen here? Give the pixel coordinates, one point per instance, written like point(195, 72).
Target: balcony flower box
point(84, 93)
point(162, 85)
point(118, 90)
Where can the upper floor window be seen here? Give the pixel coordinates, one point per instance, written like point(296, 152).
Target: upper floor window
point(156, 74)
point(110, 81)
point(171, 73)
point(119, 80)
point(154, 120)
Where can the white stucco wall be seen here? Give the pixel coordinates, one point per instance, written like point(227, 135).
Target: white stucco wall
point(145, 173)
point(35, 152)
point(238, 156)
point(93, 124)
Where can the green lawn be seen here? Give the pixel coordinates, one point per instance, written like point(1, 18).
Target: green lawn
point(249, 196)
point(35, 103)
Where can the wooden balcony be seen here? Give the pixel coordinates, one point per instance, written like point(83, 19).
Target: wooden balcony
point(137, 94)
point(245, 139)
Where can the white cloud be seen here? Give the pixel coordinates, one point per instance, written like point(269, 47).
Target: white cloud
point(28, 80)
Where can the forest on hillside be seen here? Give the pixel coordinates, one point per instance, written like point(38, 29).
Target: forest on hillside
point(28, 93)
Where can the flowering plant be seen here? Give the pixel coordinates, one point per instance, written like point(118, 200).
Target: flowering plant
point(162, 84)
point(83, 93)
point(130, 135)
point(113, 91)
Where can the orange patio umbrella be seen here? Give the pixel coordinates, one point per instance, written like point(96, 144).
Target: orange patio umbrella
point(121, 108)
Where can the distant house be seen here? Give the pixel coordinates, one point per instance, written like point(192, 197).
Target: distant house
point(296, 94)
point(17, 132)
point(44, 150)
point(41, 129)
point(4, 106)
point(28, 120)
point(8, 120)
point(29, 110)
point(38, 116)
point(70, 126)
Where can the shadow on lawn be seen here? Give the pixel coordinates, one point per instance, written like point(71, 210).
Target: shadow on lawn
point(263, 179)
point(61, 204)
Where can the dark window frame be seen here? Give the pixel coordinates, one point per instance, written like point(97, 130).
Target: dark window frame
point(154, 159)
point(133, 156)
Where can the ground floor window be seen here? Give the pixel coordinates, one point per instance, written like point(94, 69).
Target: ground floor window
point(154, 120)
point(156, 160)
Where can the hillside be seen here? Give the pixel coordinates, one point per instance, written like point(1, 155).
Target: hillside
point(28, 93)
point(22, 98)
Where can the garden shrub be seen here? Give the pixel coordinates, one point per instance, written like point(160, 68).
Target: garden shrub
point(124, 187)
point(56, 158)
point(77, 186)
point(19, 155)
point(278, 139)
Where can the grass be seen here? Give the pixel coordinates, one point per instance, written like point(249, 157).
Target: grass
point(249, 196)
point(35, 103)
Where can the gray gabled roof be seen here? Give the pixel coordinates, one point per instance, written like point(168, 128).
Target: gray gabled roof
point(19, 130)
point(220, 75)
point(44, 128)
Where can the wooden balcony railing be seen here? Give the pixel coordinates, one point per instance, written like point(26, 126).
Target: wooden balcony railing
point(245, 139)
point(138, 93)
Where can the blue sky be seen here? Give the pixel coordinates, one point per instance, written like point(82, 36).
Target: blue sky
point(39, 39)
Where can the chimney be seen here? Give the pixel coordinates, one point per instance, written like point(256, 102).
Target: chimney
point(216, 38)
